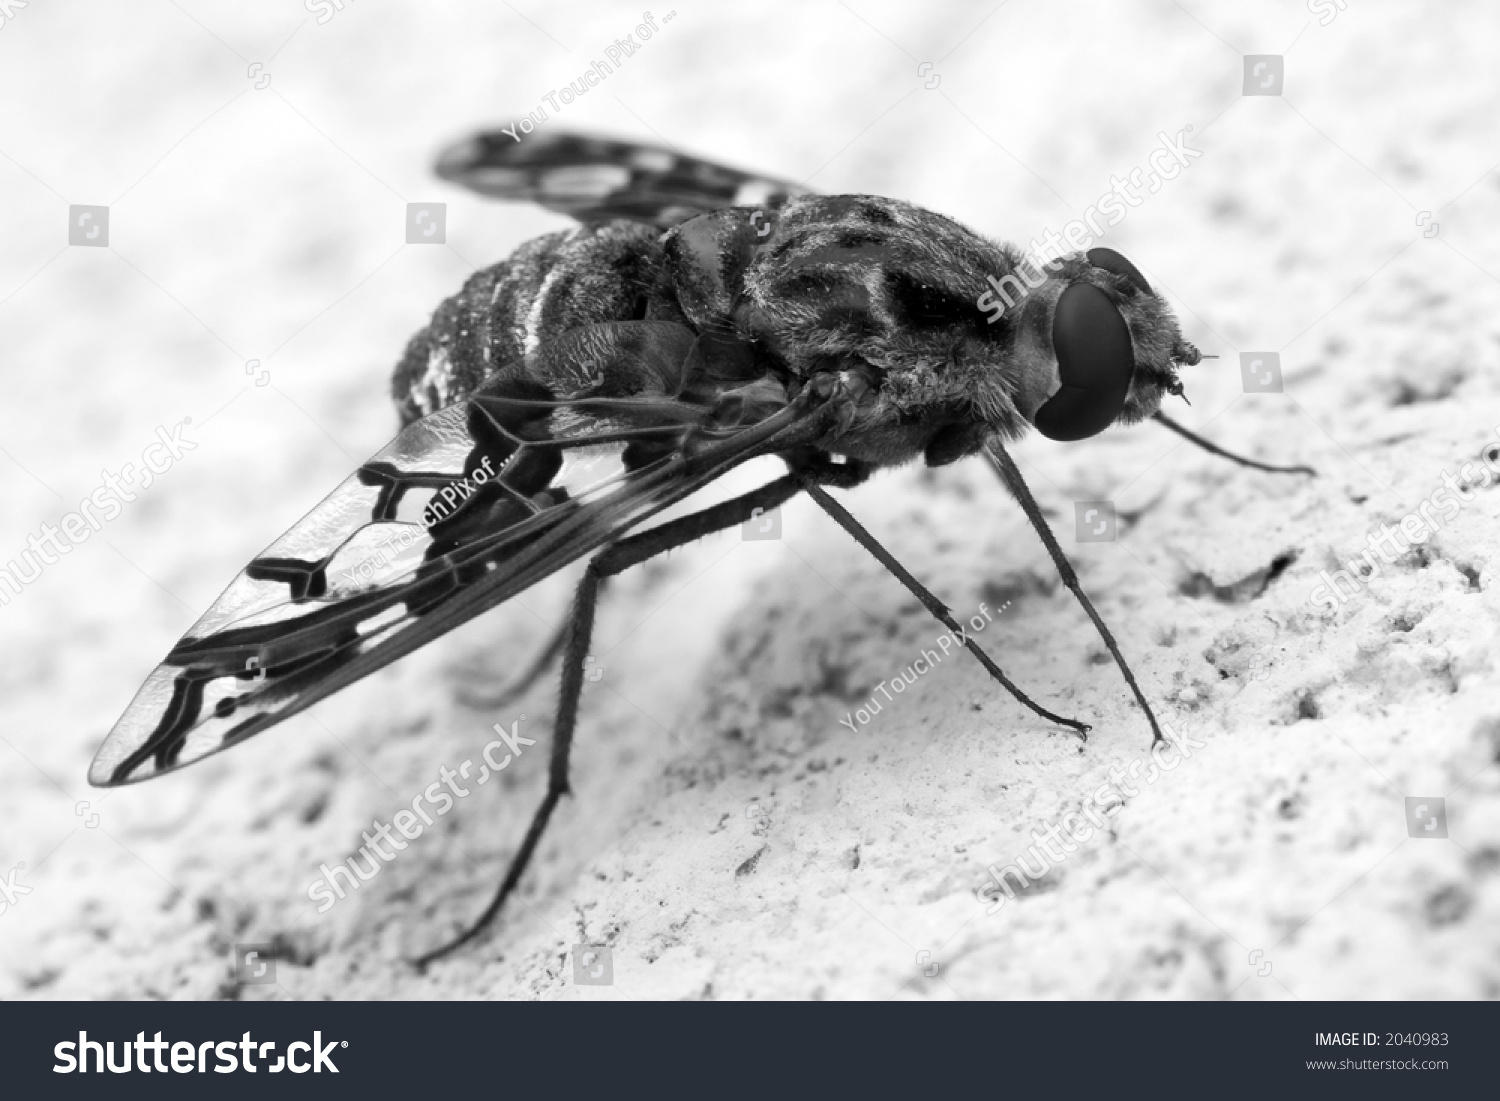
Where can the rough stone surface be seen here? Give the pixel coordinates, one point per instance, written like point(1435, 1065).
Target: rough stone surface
point(729, 837)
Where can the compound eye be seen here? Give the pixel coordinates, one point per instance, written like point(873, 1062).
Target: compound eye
point(1110, 260)
point(1095, 361)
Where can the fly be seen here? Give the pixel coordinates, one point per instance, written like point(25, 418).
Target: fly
point(696, 318)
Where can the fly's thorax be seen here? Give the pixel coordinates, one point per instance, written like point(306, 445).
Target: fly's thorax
point(944, 329)
point(862, 286)
point(828, 271)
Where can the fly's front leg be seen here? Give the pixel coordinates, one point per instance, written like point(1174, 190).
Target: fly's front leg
point(933, 604)
point(1010, 474)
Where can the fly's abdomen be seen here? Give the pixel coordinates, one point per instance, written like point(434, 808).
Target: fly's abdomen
point(611, 271)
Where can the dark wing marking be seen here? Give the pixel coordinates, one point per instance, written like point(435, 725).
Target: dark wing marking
point(592, 178)
point(517, 483)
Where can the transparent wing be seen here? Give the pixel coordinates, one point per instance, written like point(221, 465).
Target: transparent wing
point(592, 178)
point(464, 509)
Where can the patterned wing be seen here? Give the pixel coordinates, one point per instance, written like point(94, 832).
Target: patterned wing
point(464, 509)
point(596, 178)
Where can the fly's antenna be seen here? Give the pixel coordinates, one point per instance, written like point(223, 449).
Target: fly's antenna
point(1187, 354)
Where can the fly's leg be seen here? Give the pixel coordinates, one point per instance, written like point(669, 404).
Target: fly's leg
point(628, 552)
point(932, 603)
point(1215, 449)
point(1010, 474)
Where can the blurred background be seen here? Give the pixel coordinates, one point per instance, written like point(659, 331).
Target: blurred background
point(256, 289)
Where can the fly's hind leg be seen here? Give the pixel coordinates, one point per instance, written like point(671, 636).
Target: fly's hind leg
point(628, 552)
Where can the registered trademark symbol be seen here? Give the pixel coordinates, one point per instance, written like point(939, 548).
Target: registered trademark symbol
point(344, 1043)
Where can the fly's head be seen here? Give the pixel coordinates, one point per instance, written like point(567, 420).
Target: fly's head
point(1093, 345)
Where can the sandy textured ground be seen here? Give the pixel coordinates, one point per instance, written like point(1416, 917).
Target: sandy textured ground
point(731, 838)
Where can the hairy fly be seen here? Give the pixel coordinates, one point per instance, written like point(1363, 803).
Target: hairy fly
point(696, 318)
